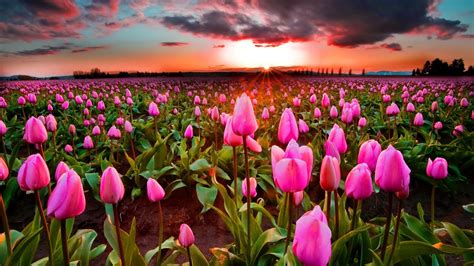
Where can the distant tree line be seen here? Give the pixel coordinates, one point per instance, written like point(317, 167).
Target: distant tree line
point(320, 72)
point(95, 73)
point(438, 67)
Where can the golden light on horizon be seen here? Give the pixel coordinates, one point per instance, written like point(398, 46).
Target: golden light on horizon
point(246, 54)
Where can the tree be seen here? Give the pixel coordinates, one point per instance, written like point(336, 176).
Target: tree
point(457, 67)
point(426, 68)
point(363, 72)
point(340, 71)
point(332, 71)
point(350, 72)
point(413, 73)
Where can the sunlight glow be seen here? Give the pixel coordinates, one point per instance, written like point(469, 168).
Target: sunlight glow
point(245, 54)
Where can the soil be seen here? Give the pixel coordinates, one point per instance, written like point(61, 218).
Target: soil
point(184, 207)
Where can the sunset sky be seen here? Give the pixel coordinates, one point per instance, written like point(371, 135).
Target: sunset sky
point(53, 37)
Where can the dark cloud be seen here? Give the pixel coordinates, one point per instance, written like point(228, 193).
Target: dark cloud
point(218, 46)
point(392, 46)
point(343, 23)
point(173, 44)
point(89, 48)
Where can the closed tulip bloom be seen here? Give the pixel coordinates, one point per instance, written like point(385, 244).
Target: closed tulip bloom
point(359, 182)
point(410, 108)
point(186, 236)
point(325, 102)
point(464, 102)
point(65, 105)
point(51, 123)
point(265, 114)
point(330, 175)
point(333, 112)
point(298, 198)
point(288, 128)
point(72, 129)
point(362, 122)
point(3, 128)
point(128, 127)
point(392, 174)
point(346, 115)
point(317, 113)
point(21, 101)
point(253, 187)
point(88, 143)
point(215, 113)
point(197, 111)
point(369, 152)
point(3, 170)
point(111, 186)
point(296, 102)
point(60, 170)
point(338, 137)
point(418, 121)
point(197, 100)
point(153, 109)
point(312, 240)
point(303, 127)
point(253, 145)
point(154, 190)
point(68, 148)
point(33, 173)
point(230, 138)
point(244, 122)
point(35, 132)
point(114, 133)
point(458, 130)
point(331, 150)
point(67, 199)
point(312, 98)
point(392, 110)
point(101, 106)
point(437, 169)
point(438, 125)
point(188, 133)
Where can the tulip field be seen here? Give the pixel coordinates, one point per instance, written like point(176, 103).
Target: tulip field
point(258, 170)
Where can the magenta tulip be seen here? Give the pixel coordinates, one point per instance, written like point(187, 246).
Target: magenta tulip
point(330, 173)
point(437, 169)
point(60, 170)
point(33, 173)
point(154, 190)
point(244, 122)
point(418, 120)
point(338, 137)
point(35, 132)
point(359, 182)
point(369, 152)
point(67, 199)
point(111, 186)
point(3, 170)
point(188, 133)
point(288, 128)
point(186, 236)
point(392, 174)
point(253, 188)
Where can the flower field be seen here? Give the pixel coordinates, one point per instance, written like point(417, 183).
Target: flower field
point(265, 170)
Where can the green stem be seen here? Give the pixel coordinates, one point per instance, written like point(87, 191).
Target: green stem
point(45, 226)
point(64, 242)
point(249, 199)
point(288, 234)
point(6, 227)
point(189, 256)
point(234, 159)
point(336, 213)
point(117, 230)
point(433, 191)
point(4, 147)
point(395, 236)
point(387, 225)
point(328, 206)
point(355, 215)
point(160, 237)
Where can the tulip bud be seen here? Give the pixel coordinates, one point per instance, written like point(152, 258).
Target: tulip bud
point(359, 182)
point(60, 170)
point(288, 128)
point(392, 174)
point(298, 198)
point(33, 173)
point(153, 109)
point(67, 200)
point(3, 170)
point(330, 175)
point(418, 121)
point(253, 187)
point(128, 127)
point(35, 132)
point(186, 236)
point(68, 148)
point(337, 137)
point(369, 152)
point(437, 169)
point(244, 122)
point(88, 143)
point(154, 190)
point(188, 133)
point(3, 129)
point(111, 186)
point(303, 127)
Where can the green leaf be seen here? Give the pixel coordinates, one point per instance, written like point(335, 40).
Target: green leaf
point(173, 186)
point(26, 245)
point(269, 236)
point(199, 165)
point(93, 179)
point(411, 249)
point(339, 245)
point(206, 196)
point(197, 257)
point(460, 239)
point(14, 237)
point(469, 207)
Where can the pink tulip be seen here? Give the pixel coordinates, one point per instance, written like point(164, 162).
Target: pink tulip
point(298, 198)
point(21, 101)
point(96, 131)
point(244, 122)
point(67, 200)
point(35, 132)
point(51, 123)
point(410, 108)
point(464, 102)
point(265, 114)
point(418, 120)
point(331, 150)
point(392, 174)
point(434, 106)
point(359, 182)
point(253, 187)
point(369, 152)
point(60, 170)
point(330, 175)
point(292, 168)
point(325, 102)
point(303, 127)
point(197, 100)
point(253, 145)
point(128, 127)
point(215, 113)
point(362, 122)
point(392, 110)
point(186, 236)
point(197, 111)
point(3, 129)
point(111, 186)
point(188, 133)
point(114, 133)
point(288, 128)
point(68, 148)
point(312, 98)
point(3, 170)
point(153, 109)
point(337, 137)
point(72, 129)
point(88, 143)
point(312, 240)
point(437, 169)
point(101, 106)
point(154, 190)
point(438, 125)
point(317, 113)
point(346, 114)
point(458, 130)
point(65, 105)
point(333, 112)
point(33, 173)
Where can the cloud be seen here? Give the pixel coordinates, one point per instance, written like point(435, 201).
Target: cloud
point(103, 8)
point(392, 46)
point(89, 48)
point(342, 23)
point(218, 46)
point(174, 44)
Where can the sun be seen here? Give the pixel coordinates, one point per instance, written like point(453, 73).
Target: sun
point(245, 54)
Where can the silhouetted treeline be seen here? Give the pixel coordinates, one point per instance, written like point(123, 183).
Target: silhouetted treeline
point(438, 67)
point(95, 73)
point(320, 72)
